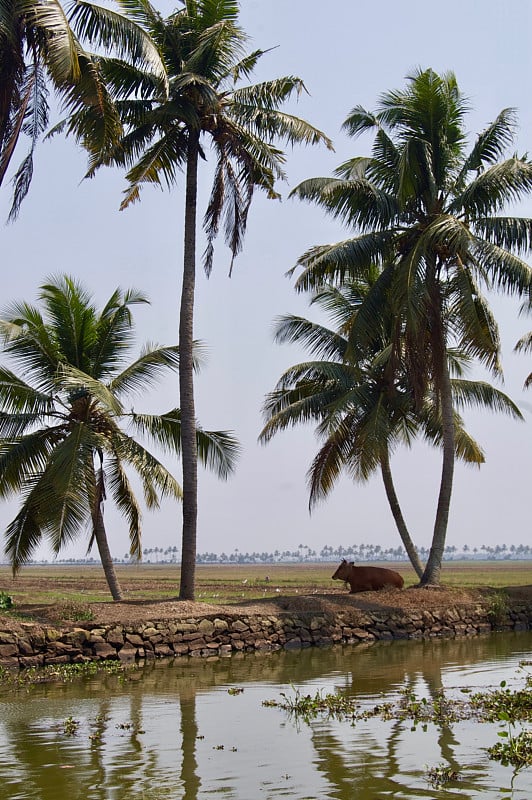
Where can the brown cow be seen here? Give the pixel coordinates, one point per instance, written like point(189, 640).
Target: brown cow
point(367, 579)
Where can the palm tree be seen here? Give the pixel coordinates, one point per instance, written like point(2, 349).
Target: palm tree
point(363, 410)
point(202, 46)
point(429, 214)
point(61, 444)
point(38, 48)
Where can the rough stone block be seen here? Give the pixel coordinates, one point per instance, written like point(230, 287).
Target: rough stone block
point(104, 651)
point(8, 651)
point(135, 640)
point(293, 644)
point(127, 654)
point(163, 651)
point(48, 660)
point(115, 637)
point(32, 661)
point(206, 627)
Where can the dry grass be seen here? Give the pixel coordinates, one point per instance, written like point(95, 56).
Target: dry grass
point(45, 593)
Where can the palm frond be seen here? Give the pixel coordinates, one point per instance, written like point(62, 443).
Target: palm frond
point(27, 341)
point(501, 184)
point(72, 380)
point(122, 493)
point(359, 121)
point(156, 480)
point(319, 340)
point(218, 451)
point(163, 160)
point(24, 457)
point(119, 34)
point(510, 233)
point(325, 469)
point(68, 508)
point(506, 271)
point(357, 202)
point(62, 49)
point(15, 425)
point(469, 394)
point(466, 448)
point(490, 144)
point(350, 259)
point(472, 321)
point(34, 114)
point(24, 533)
point(524, 345)
point(113, 332)
point(17, 396)
point(298, 401)
point(146, 370)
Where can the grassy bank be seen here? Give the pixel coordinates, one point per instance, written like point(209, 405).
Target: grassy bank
point(228, 583)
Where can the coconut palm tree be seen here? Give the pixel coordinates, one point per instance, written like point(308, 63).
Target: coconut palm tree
point(62, 443)
point(207, 106)
point(39, 50)
point(362, 409)
point(430, 213)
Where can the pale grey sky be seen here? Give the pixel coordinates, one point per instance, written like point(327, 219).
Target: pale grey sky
point(348, 53)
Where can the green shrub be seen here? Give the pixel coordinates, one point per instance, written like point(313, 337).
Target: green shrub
point(6, 602)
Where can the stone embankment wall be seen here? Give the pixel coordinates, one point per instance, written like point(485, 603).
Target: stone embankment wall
point(225, 634)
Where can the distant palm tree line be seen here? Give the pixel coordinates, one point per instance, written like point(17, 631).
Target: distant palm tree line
point(304, 553)
point(354, 552)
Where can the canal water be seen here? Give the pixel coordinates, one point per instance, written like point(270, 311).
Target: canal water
point(195, 729)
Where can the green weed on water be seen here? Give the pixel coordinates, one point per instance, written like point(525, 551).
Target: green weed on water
point(515, 749)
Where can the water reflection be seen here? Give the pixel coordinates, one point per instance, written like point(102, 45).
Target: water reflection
point(172, 730)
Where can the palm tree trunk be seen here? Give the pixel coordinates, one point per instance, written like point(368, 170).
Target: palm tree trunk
point(398, 516)
point(105, 556)
point(189, 451)
point(431, 576)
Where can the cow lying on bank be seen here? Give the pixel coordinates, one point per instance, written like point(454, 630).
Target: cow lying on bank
point(367, 579)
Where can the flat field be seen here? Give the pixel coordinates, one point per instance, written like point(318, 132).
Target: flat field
point(223, 584)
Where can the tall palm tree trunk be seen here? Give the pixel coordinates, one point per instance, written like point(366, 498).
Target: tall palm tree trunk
point(186, 378)
point(398, 515)
point(431, 576)
point(105, 556)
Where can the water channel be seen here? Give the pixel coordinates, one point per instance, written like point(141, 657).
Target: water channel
point(195, 729)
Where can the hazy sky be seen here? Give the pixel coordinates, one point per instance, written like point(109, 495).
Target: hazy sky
point(347, 53)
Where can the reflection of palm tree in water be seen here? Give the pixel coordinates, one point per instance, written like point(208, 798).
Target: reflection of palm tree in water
point(370, 765)
point(189, 734)
point(149, 774)
point(139, 770)
point(369, 771)
point(118, 758)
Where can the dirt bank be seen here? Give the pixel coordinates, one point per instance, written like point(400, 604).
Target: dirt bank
point(134, 611)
